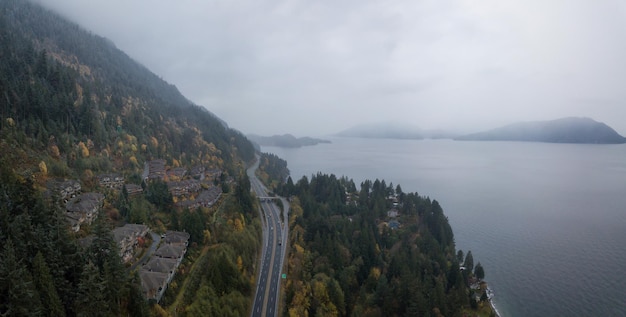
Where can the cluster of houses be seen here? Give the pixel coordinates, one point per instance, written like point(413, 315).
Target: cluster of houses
point(196, 191)
point(205, 198)
point(192, 190)
point(159, 271)
point(64, 189)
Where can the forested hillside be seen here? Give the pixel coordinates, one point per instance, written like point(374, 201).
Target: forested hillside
point(74, 96)
point(373, 251)
point(76, 110)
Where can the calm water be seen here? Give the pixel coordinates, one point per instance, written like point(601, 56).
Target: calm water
point(547, 221)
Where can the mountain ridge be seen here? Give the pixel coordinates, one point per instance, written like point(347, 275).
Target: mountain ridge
point(564, 130)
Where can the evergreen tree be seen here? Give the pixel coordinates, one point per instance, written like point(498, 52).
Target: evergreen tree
point(137, 306)
point(469, 262)
point(104, 254)
point(479, 271)
point(44, 283)
point(18, 294)
point(91, 300)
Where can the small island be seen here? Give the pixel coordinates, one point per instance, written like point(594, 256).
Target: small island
point(565, 130)
point(285, 140)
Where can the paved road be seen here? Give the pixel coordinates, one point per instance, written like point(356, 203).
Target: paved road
point(155, 242)
point(274, 233)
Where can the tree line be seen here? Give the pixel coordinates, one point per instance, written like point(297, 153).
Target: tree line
point(44, 271)
point(346, 259)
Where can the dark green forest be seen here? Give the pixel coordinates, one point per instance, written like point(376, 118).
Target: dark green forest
point(348, 258)
point(61, 86)
point(73, 106)
point(43, 270)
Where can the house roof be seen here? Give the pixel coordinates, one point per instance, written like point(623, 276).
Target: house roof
point(151, 281)
point(170, 251)
point(133, 188)
point(162, 265)
point(176, 237)
point(85, 202)
point(128, 229)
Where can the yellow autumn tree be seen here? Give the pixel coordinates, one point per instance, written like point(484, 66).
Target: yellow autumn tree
point(54, 151)
point(240, 264)
point(238, 225)
point(300, 302)
point(43, 168)
point(84, 151)
point(154, 142)
point(207, 236)
point(375, 273)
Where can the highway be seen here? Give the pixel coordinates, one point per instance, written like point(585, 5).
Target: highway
point(274, 234)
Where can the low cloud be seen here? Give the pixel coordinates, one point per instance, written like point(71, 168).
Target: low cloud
point(315, 68)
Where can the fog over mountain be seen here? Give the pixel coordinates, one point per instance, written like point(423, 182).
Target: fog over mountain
point(565, 130)
point(314, 68)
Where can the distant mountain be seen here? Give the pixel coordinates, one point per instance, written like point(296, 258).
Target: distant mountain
point(285, 140)
point(393, 131)
point(565, 130)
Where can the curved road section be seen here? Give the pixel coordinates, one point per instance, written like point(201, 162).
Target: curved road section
point(274, 233)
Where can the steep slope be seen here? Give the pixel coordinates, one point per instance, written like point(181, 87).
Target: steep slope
point(565, 130)
point(78, 120)
point(62, 86)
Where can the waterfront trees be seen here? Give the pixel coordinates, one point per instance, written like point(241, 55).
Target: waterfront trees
point(469, 262)
point(479, 271)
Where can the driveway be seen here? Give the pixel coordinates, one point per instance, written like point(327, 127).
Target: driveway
point(155, 242)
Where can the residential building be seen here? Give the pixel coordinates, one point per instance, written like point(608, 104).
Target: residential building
point(133, 189)
point(111, 180)
point(159, 271)
point(156, 169)
point(153, 284)
point(128, 237)
point(64, 189)
point(83, 209)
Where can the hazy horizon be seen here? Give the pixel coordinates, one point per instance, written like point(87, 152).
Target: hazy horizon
point(314, 69)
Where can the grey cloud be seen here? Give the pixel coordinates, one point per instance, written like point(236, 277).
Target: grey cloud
point(317, 67)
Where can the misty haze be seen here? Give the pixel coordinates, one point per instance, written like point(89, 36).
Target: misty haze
point(464, 66)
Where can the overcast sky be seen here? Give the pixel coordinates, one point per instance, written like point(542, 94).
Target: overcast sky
point(317, 67)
